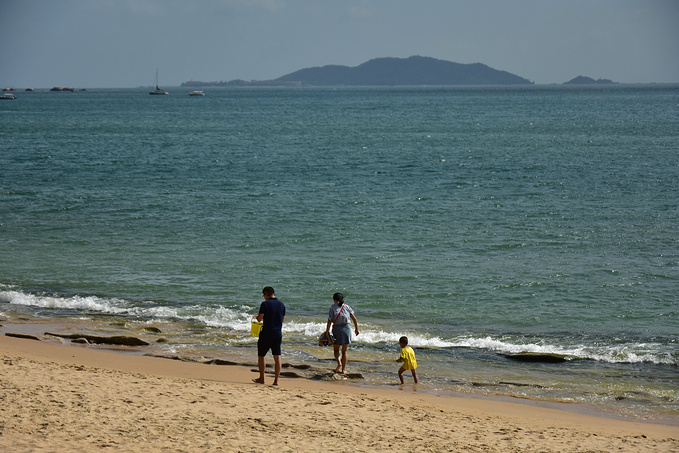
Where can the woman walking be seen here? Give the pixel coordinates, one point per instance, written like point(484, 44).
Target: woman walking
point(340, 314)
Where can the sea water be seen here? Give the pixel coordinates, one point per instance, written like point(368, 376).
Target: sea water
point(486, 224)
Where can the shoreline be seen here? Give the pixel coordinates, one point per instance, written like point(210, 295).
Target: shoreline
point(63, 333)
point(79, 398)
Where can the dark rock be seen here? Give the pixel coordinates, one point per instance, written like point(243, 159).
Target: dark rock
point(117, 340)
point(291, 374)
point(23, 335)
point(521, 384)
point(151, 329)
point(298, 367)
point(537, 357)
point(337, 376)
point(180, 358)
point(223, 362)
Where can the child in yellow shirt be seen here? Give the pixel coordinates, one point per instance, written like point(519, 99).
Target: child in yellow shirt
point(408, 359)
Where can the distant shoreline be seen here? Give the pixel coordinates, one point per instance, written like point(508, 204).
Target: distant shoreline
point(185, 89)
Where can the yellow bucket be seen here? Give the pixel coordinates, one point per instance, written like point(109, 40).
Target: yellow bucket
point(255, 326)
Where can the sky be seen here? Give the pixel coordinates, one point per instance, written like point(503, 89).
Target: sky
point(121, 43)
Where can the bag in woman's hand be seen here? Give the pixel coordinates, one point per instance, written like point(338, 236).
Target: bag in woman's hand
point(326, 340)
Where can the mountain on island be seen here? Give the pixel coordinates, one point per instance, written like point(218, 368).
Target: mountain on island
point(582, 80)
point(415, 70)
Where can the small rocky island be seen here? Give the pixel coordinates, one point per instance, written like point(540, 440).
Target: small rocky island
point(582, 80)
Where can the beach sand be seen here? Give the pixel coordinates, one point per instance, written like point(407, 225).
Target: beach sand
point(57, 398)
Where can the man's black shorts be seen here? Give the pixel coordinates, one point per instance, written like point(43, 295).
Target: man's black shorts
point(267, 342)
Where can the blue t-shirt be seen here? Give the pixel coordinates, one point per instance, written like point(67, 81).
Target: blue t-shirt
point(274, 311)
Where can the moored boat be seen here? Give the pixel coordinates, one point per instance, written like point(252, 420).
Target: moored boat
point(158, 90)
point(196, 93)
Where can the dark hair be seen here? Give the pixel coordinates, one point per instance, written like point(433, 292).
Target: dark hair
point(339, 298)
point(268, 291)
point(403, 340)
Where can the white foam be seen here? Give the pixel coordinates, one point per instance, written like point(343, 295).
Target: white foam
point(368, 334)
point(621, 353)
point(85, 303)
point(214, 317)
point(238, 319)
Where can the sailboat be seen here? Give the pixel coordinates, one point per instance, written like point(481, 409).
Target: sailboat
point(158, 90)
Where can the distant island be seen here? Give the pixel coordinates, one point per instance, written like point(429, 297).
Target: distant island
point(413, 71)
point(582, 80)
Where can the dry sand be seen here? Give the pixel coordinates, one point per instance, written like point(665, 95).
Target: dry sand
point(81, 399)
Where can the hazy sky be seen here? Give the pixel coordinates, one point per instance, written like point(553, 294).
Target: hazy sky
point(120, 43)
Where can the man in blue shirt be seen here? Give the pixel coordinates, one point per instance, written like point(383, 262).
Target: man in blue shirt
point(272, 312)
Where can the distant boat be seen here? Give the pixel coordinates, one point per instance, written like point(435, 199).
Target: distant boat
point(196, 93)
point(158, 90)
point(7, 95)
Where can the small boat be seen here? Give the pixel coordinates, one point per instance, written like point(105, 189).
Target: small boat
point(158, 90)
point(29, 89)
point(196, 93)
point(7, 95)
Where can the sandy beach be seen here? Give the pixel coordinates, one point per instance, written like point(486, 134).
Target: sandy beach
point(80, 399)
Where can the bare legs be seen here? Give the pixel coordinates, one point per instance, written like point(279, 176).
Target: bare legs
point(261, 364)
point(277, 368)
point(341, 361)
point(400, 375)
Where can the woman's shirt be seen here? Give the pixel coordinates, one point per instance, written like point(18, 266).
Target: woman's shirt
point(344, 317)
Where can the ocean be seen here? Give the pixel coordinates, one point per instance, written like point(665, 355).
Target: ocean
point(525, 239)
